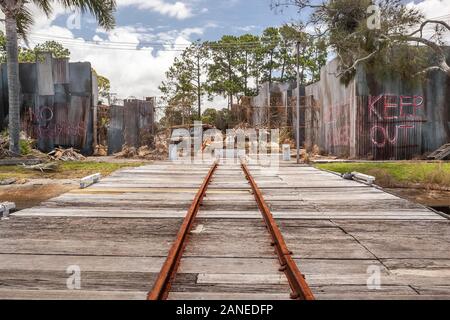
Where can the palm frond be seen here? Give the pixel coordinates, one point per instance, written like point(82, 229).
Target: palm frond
point(44, 5)
point(103, 10)
point(24, 20)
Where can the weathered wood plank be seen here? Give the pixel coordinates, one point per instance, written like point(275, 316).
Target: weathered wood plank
point(27, 294)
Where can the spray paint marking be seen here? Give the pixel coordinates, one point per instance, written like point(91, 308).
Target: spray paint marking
point(337, 124)
point(44, 128)
point(387, 110)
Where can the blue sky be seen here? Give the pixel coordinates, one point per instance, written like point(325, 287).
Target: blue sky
point(214, 17)
point(128, 55)
point(140, 24)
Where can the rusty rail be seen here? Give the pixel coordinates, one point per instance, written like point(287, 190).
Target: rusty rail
point(297, 282)
point(168, 271)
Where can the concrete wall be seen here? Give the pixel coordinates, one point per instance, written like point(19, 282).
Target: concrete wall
point(379, 119)
point(56, 103)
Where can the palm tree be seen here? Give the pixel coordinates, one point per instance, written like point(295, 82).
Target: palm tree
point(18, 20)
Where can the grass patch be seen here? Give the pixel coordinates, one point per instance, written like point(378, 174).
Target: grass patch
point(66, 170)
point(398, 174)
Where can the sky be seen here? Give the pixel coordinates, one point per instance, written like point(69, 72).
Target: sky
point(150, 33)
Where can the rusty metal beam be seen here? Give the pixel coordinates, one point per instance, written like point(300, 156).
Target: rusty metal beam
point(169, 269)
point(297, 282)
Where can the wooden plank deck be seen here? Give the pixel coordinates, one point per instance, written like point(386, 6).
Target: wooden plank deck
point(119, 232)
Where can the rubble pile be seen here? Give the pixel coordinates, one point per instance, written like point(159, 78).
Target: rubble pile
point(4, 148)
point(43, 167)
point(159, 152)
point(143, 153)
point(126, 153)
point(27, 148)
point(243, 126)
point(100, 151)
point(161, 144)
point(60, 154)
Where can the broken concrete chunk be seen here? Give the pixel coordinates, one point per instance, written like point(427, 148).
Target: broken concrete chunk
point(90, 180)
point(5, 208)
point(363, 178)
point(7, 182)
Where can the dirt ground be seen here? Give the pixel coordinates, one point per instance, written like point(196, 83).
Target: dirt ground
point(33, 193)
point(30, 188)
point(431, 198)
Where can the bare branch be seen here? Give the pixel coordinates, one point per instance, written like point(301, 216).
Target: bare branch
point(423, 25)
point(355, 64)
point(432, 68)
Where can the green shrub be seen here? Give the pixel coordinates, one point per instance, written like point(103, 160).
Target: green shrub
point(25, 147)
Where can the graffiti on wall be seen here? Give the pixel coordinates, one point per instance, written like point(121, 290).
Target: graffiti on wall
point(44, 125)
point(394, 119)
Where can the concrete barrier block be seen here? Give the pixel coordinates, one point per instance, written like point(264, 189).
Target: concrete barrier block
point(5, 208)
point(90, 180)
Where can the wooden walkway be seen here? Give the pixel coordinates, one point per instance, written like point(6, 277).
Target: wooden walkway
point(119, 232)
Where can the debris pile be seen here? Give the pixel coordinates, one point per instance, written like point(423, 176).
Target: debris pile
point(286, 137)
point(159, 152)
point(60, 154)
point(243, 126)
point(100, 151)
point(4, 148)
point(27, 148)
point(143, 153)
point(43, 167)
point(127, 152)
point(161, 145)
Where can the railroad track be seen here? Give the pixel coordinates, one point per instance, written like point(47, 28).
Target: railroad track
point(299, 287)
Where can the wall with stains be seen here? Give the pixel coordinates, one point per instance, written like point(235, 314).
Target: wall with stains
point(379, 119)
point(57, 99)
point(337, 112)
point(280, 113)
point(131, 124)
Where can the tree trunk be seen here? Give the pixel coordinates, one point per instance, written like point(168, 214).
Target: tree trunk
point(199, 88)
point(230, 77)
point(13, 84)
point(302, 74)
point(246, 75)
point(270, 69)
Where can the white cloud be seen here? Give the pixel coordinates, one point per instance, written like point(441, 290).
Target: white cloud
point(178, 10)
point(134, 69)
point(247, 28)
point(433, 8)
